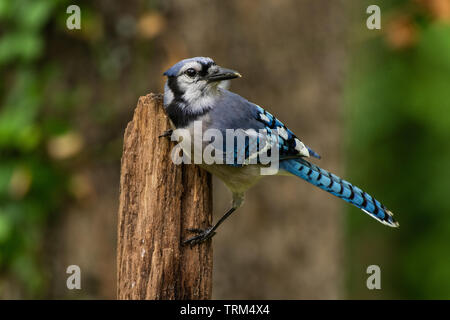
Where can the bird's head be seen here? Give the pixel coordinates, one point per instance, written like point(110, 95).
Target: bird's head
point(195, 83)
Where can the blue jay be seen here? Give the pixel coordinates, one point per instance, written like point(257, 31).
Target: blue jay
point(196, 90)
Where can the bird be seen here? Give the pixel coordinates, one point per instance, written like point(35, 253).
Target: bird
point(197, 89)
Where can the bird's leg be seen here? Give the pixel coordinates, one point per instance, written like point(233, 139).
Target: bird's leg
point(166, 133)
point(208, 233)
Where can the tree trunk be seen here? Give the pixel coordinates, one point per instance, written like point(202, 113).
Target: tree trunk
point(158, 202)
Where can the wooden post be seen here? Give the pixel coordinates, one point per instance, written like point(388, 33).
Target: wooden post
point(158, 202)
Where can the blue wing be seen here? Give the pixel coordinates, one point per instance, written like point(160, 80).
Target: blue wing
point(259, 133)
point(287, 139)
point(262, 129)
point(289, 146)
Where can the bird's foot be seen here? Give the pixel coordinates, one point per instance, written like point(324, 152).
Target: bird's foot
point(166, 133)
point(202, 236)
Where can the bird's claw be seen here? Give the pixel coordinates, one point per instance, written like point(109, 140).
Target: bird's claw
point(166, 133)
point(202, 236)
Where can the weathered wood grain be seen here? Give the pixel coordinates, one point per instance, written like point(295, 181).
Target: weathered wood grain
point(158, 202)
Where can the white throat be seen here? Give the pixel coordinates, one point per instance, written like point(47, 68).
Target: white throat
point(200, 97)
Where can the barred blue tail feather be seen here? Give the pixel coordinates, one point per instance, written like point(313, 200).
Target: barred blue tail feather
point(340, 188)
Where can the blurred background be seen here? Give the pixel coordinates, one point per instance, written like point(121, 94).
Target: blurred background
point(374, 103)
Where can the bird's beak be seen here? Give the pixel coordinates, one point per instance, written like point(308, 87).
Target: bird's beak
point(223, 74)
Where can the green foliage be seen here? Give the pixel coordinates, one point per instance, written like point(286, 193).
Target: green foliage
point(32, 185)
point(399, 120)
point(58, 89)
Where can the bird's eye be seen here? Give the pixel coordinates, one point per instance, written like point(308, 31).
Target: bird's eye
point(191, 72)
